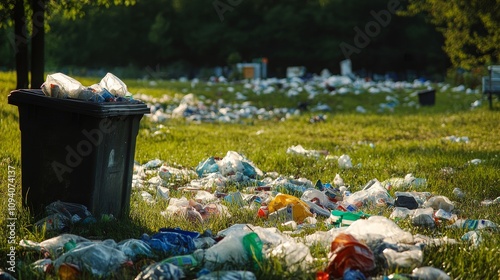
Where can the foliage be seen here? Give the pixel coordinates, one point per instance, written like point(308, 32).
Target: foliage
point(164, 32)
point(471, 29)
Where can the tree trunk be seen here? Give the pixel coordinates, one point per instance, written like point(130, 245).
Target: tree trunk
point(37, 43)
point(20, 45)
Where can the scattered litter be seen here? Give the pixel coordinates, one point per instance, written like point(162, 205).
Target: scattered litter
point(457, 139)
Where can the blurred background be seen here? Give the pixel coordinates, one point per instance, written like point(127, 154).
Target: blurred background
point(170, 39)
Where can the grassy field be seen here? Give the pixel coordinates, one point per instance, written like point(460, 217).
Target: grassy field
point(382, 145)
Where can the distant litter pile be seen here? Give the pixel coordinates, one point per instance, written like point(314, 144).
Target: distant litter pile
point(198, 109)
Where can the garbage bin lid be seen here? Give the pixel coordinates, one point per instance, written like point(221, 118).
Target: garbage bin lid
point(107, 109)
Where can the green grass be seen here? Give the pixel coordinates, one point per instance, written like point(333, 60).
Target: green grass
point(408, 140)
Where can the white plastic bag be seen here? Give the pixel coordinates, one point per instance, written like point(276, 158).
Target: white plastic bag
point(114, 85)
point(59, 85)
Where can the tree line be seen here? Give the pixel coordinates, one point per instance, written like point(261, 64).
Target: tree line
point(181, 37)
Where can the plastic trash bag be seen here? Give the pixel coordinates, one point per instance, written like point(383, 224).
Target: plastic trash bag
point(407, 259)
point(379, 227)
point(59, 85)
point(62, 214)
point(235, 250)
point(114, 85)
point(134, 248)
point(97, 257)
point(296, 256)
point(161, 271)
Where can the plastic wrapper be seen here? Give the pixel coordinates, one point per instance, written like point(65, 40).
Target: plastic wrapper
point(379, 227)
point(295, 209)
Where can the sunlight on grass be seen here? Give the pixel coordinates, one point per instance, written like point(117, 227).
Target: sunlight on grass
point(382, 145)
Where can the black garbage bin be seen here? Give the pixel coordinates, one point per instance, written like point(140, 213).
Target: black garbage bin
point(427, 97)
point(77, 151)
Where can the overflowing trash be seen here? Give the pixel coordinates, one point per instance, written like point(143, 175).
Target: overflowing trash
point(109, 89)
point(360, 243)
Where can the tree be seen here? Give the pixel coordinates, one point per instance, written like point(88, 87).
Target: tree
point(471, 29)
point(39, 10)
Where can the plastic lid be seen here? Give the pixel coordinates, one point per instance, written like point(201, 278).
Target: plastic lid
point(107, 109)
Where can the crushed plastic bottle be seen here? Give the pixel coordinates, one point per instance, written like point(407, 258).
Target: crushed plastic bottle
point(444, 216)
point(184, 261)
point(347, 253)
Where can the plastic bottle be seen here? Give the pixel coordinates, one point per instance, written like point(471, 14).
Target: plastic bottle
point(474, 224)
point(185, 261)
point(253, 246)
